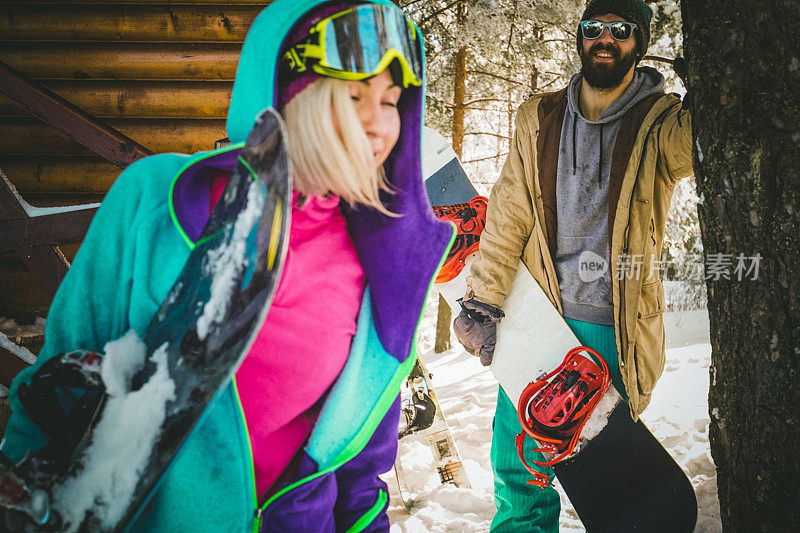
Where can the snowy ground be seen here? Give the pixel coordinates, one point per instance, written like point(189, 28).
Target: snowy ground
point(677, 416)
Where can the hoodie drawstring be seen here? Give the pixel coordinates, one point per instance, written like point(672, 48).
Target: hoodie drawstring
point(575, 153)
point(600, 170)
point(574, 145)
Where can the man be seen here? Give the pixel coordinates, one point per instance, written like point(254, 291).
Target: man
point(589, 178)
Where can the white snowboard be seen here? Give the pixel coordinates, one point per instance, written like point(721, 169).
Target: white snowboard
point(532, 339)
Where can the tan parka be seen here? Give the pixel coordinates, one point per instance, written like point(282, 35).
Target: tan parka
point(515, 228)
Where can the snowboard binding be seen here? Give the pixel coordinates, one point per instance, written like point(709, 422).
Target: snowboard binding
point(420, 410)
point(63, 398)
point(554, 408)
point(470, 219)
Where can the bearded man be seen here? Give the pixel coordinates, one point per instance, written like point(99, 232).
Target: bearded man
point(589, 179)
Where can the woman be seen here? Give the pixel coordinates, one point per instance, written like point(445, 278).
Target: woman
point(297, 440)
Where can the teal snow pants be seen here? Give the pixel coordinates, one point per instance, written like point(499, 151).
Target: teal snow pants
point(522, 507)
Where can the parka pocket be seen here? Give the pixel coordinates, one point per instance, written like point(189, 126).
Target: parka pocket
point(650, 342)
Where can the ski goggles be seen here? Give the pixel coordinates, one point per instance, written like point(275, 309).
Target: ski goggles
point(358, 43)
point(620, 31)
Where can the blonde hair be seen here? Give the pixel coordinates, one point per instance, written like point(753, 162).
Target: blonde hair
point(328, 149)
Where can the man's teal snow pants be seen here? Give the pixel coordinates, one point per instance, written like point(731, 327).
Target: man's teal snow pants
point(522, 507)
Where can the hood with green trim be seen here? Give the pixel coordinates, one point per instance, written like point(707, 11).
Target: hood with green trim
point(256, 76)
point(400, 255)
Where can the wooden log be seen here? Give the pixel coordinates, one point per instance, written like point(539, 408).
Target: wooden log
point(109, 22)
point(10, 366)
point(46, 263)
point(25, 136)
point(54, 230)
point(261, 3)
point(77, 175)
point(5, 413)
point(69, 119)
point(12, 261)
point(22, 298)
point(138, 99)
point(123, 61)
point(10, 206)
point(38, 199)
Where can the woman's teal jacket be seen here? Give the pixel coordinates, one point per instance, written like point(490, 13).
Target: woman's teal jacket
point(132, 254)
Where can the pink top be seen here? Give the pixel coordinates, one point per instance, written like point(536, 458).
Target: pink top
point(305, 341)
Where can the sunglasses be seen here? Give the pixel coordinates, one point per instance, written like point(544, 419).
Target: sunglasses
point(620, 31)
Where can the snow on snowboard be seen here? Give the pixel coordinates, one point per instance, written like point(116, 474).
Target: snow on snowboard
point(191, 348)
point(616, 474)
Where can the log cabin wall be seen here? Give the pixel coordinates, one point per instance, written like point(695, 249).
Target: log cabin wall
point(160, 72)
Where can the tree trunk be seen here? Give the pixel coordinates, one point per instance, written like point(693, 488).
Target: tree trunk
point(460, 92)
point(744, 73)
point(443, 327)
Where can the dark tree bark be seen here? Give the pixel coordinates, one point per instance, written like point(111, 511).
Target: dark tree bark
point(744, 73)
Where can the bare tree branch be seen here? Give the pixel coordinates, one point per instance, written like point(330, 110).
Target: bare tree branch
point(493, 75)
point(484, 159)
point(488, 133)
point(549, 83)
point(466, 104)
point(438, 11)
point(406, 5)
point(657, 58)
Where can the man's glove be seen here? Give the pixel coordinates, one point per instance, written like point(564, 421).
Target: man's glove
point(681, 68)
point(476, 328)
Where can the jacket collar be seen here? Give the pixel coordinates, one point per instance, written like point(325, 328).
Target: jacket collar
point(400, 255)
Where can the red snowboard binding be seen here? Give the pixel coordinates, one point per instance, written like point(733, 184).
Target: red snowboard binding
point(470, 219)
point(554, 408)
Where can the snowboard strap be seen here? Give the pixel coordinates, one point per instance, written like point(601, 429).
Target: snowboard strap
point(470, 219)
point(554, 408)
point(77, 374)
point(80, 370)
point(420, 409)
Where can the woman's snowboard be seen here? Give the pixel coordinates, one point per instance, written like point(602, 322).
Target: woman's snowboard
point(192, 346)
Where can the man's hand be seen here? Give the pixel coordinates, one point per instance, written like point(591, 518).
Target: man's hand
point(476, 328)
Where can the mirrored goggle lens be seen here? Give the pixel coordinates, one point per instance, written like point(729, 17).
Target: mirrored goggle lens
point(358, 40)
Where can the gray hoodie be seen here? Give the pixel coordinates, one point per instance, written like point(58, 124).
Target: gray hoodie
point(584, 167)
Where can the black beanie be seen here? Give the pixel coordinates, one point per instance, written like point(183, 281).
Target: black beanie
point(634, 11)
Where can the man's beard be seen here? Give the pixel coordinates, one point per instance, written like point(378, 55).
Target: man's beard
point(606, 76)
